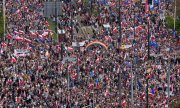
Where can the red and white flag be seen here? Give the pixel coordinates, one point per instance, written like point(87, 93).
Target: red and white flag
point(27, 40)
point(106, 92)
point(146, 6)
point(70, 49)
point(21, 32)
point(13, 60)
point(16, 32)
point(9, 36)
point(33, 34)
point(19, 38)
point(115, 30)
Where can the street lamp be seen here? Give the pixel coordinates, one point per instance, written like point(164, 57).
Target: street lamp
point(78, 46)
point(119, 37)
point(148, 70)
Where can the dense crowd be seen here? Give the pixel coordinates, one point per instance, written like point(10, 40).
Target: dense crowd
point(33, 72)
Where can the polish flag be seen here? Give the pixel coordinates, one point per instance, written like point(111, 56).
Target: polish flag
point(59, 48)
point(18, 99)
point(13, 60)
point(70, 49)
point(21, 32)
point(113, 4)
point(33, 34)
point(46, 23)
point(48, 30)
point(74, 76)
point(18, 38)
point(106, 93)
point(9, 36)
point(3, 44)
point(164, 103)
point(124, 103)
point(16, 32)
point(47, 54)
point(115, 30)
point(106, 37)
point(40, 36)
point(139, 28)
point(146, 6)
point(90, 86)
point(27, 40)
point(45, 34)
point(98, 86)
point(17, 12)
point(97, 60)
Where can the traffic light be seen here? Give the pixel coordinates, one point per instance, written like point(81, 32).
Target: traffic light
point(149, 2)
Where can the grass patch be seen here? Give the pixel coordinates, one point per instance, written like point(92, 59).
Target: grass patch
point(52, 26)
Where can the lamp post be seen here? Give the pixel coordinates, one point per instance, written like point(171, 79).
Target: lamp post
point(118, 45)
point(119, 71)
point(78, 46)
point(119, 37)
point(168, 75)
point(148, 70)
point(132, 91)
point(148, 40)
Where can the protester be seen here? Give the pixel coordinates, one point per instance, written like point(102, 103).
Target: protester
point(34, 72)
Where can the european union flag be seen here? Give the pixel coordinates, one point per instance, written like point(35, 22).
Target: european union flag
point(154, 44)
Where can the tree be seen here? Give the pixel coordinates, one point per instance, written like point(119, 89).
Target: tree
point(170, 23)
point(1, 25)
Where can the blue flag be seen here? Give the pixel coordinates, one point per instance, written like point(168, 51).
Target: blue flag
point(97, 81)
point(154, 44)
point(139, 84)
point(30, 45)
point(156, 1)
point(174, 33)
point(40, 40)
point(152, 91)
point(92, 73)
point(151, 7)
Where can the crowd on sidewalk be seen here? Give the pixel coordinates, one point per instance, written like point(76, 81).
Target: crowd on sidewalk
point(33, 72)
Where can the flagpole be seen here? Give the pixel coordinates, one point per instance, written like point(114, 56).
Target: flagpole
point(132, 91)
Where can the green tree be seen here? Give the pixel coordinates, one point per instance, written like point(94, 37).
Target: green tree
point(1, 25)
point(170, 23)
